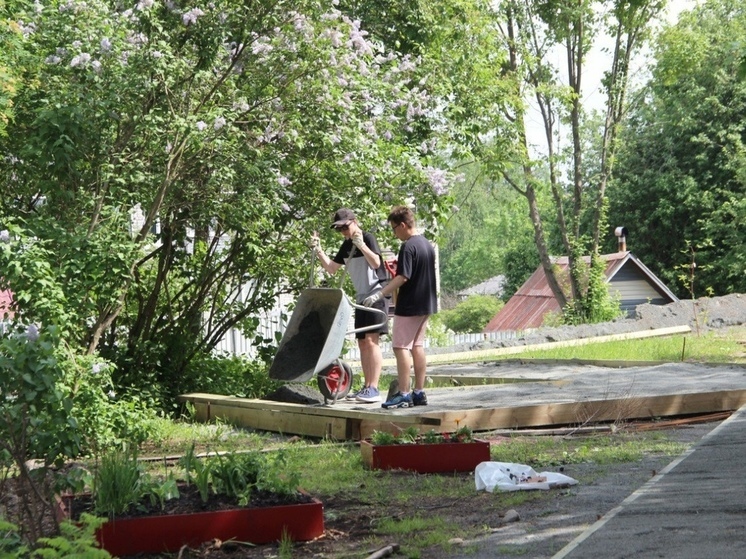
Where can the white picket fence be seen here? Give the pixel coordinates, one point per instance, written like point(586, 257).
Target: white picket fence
point(236, 344)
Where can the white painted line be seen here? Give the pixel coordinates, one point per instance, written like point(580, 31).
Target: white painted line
point(642, 491)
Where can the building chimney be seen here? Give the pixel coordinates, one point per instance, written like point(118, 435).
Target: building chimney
point(621, 233)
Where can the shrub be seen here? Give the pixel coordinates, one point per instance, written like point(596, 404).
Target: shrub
point(473, 314)
point(227, 374)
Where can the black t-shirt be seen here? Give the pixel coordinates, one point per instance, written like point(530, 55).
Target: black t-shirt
point(416, 262)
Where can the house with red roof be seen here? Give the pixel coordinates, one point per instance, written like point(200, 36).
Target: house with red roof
point(628, 278)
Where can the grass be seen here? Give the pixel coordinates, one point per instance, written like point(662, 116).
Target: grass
point(176, 437)
point(713, 347)
point(598, 449)
point(335, 470)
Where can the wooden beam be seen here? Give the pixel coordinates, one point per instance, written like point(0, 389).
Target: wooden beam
point(330, 421)
point(594, 411)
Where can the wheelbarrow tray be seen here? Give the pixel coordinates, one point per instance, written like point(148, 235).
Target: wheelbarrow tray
point(314, 336)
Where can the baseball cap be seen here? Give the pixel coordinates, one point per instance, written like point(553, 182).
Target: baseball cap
point(342, 216)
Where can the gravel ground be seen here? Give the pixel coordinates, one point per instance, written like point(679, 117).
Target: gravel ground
point(701, 315)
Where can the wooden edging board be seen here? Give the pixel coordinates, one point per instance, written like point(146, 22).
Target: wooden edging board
point(328, 421)
point(590, 412)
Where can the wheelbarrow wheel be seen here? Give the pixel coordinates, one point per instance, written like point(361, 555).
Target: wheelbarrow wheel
point(335, 381)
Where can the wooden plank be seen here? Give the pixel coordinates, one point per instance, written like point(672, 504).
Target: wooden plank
point(328, 421)
point(275, 421)
point(579, 413)
point(336, 410)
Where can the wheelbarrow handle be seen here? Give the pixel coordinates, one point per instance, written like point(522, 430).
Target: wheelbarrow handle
point(372, 326)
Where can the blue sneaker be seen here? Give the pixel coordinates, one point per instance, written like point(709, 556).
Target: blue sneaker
point(352, 395)
point(368, 395)
point(419, 398)
point(399, 400)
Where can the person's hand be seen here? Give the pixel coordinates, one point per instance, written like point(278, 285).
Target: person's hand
point(357, 239)
point(314, 243)
point(373, 299)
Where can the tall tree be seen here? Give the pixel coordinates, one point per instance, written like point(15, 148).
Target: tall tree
point(536, 33)
point(681, 185)
point(225, 132)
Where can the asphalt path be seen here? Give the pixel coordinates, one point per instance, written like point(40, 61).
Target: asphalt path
point(695, 508)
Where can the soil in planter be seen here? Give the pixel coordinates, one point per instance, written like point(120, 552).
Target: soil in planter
point(190, 501)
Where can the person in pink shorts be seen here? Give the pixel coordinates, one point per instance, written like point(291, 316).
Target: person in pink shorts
point(416, 301)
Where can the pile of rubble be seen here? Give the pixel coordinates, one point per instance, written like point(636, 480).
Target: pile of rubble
point(700, 314)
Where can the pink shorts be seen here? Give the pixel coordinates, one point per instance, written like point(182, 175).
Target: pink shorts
point(409, 331)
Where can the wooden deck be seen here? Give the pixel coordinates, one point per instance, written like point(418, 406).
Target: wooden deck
point(505, 395)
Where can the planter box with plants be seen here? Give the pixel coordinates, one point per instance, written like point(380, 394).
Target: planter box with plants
point(429, 453)
point(239, 497)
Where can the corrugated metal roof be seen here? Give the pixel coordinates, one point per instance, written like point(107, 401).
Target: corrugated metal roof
point(527, 308)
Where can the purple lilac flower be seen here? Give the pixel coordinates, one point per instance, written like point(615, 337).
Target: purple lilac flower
point(32, 332)
point(191, 16)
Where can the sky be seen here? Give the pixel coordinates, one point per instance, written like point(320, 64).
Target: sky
point(598, 61)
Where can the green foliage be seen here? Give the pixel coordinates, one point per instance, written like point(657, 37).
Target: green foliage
point(670, 349)
point(76, 539)
point(412, 435)
point(240, 474)
point(681, 176)
point(227, 374)
point(196, 471)
point(11, 543)
point(472, 314)
point(597, 305)
point(58, 405)
point(546, 451)
point(487, 225)
point(520, 260)
point(104, 418)
point(35, 412)
point(436, 331)
point(10, 70)
point(119, 483)
point(383, 438)
point(182, 165)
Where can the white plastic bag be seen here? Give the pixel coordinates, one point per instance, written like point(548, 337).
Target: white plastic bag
point(516, 477)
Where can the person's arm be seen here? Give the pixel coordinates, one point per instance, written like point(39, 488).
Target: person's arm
point(395, 283)
point(373, 259)
point(327, 263)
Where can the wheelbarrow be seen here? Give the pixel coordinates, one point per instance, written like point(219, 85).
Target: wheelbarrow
point(313, 341)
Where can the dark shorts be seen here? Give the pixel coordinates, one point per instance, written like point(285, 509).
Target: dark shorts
point(365, 318)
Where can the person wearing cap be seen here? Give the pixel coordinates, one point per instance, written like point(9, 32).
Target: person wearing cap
point(416, 300)
point(361, 255)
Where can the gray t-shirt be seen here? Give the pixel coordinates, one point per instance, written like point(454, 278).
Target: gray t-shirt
point(365, 279)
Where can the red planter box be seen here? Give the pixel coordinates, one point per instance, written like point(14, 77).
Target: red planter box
point(168, 533)
point(426, 458)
